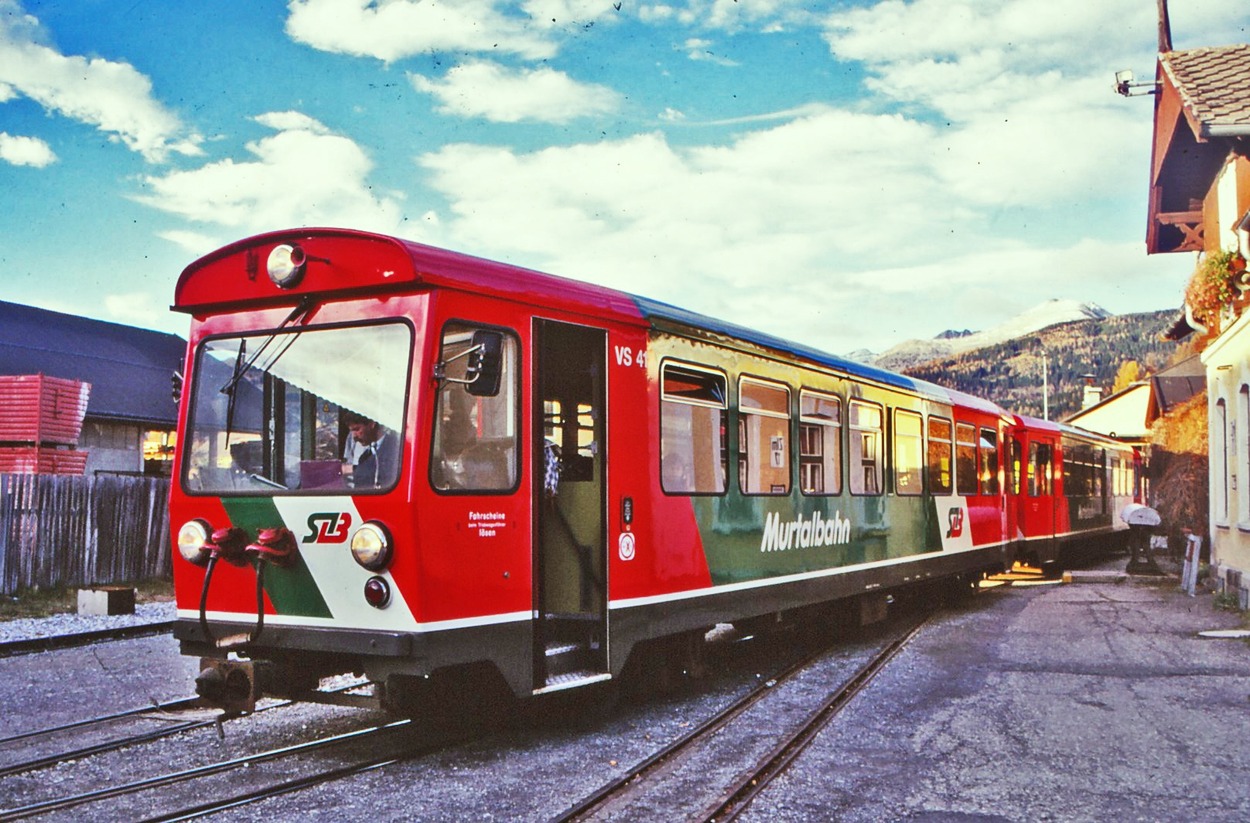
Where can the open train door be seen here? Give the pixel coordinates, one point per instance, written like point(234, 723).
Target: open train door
point(570, 559)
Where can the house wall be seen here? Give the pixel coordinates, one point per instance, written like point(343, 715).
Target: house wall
point(1227, 363)
point(1122, 416)
point(1228, 397)
point(112, 447)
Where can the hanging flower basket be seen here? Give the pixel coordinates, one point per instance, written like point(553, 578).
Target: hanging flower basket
point(1214, 284)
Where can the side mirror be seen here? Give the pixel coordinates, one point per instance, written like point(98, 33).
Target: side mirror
point(485, 364)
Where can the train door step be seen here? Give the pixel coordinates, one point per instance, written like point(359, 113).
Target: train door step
point(567, 657)
point(571, 680)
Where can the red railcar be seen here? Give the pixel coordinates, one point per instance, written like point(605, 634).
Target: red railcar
point(1068, 489)
point(428, 467)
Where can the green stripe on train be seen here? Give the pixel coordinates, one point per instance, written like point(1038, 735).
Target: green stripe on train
point(292, 591)
point(751, 538)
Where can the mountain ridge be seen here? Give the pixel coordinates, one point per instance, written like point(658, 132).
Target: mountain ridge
point(951, 342)
point(1010, 372)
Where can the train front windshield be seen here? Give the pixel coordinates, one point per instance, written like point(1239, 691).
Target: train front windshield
point(300, 410)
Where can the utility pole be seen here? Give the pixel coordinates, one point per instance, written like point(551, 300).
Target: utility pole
point(1165, 28)
point(1046, 382)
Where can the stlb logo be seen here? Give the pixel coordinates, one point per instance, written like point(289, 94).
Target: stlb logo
point(328, 527)
point(955, 520)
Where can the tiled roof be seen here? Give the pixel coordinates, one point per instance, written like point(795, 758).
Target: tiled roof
point(1214, 84)
point(128, 368)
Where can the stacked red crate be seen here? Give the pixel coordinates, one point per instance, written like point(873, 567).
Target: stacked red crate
point(40, 423)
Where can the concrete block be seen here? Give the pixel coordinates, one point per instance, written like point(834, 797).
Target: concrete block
point(106, 600)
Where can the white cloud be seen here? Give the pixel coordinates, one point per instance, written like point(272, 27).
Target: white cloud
point(394, 29)
point(1024, 91)
point(490, 91)
point(112, 96)
point(570, 12)
point(699, 49)
point(827, 226)
point(133, 308)
point(728, 15)
point(1068, 31)
point(303, 175)
point(717, 228)
point(25, 151)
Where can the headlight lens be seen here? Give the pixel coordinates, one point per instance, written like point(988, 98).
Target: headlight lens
point(193, 542)
point(371, 546)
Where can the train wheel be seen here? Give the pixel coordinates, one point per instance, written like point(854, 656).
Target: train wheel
point(663, 666)
point(961, 587)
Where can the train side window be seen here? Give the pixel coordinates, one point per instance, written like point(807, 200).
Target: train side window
point(1040, 469)
point(820, 443)
point(693, 419)
point(763, 437)
point(939, 456)
point(865, 456)
point(908, 452)
point(989, 461)
point(965, 459)
point(1015, 465)
point(1080, 470)
point(1098, 473)
point(475, 437)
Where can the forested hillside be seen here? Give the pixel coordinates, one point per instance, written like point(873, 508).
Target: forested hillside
point(1010, 373)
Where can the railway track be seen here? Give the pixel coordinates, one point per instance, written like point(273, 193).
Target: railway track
point(753, 780)
point(175, 795)
point(41, 748)
point(179, 795)
point(624, 791)
point(13, 648)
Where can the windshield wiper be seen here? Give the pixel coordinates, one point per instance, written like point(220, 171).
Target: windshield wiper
point(260, 478)
point(305, 305)
point(241, 368)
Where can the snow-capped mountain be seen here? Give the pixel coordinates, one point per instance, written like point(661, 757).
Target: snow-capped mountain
point(948, 343)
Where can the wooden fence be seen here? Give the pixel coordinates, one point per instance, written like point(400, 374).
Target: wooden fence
point(77, 530)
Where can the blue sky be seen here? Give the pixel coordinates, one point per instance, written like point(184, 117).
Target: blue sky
point(846, 174)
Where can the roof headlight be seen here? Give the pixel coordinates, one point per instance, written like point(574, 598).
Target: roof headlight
point(371, 546)
point(286, 265)
point(193, 542)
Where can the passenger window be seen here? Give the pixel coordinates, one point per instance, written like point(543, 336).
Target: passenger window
point(865, 456)
point(989, 461)
point(763, 437)
point(1015, 465)
point(820, 444)
point(693, 418)
point(908, 451)
point(965, 459)
point(1039, 469)
point(475, 437)
point(939, 461)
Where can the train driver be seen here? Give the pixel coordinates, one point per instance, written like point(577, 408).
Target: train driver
point(372, 461)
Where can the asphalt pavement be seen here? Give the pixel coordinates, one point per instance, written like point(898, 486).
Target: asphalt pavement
point(1095, 700)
